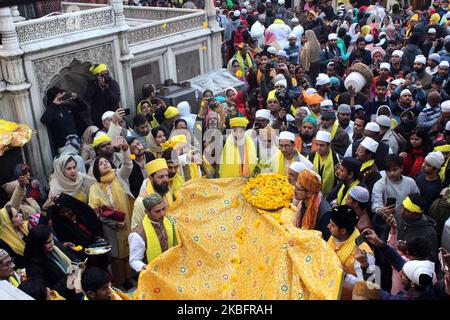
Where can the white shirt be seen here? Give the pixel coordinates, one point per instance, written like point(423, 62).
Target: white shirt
point(298, 30)
point(257, 32)
point(431, 71)
point(137, 251)
point(350, 280)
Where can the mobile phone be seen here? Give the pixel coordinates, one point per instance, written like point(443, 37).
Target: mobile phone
point(360, 239)
point(127, 111)
point(442, 261)
point(391, 201)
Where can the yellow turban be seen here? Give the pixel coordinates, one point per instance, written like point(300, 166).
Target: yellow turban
point(443, 148)
point(155, 165)
point(100, 139)
point(98, 68)
point(414, 18)
point(238, 122)
point(174, 142)
point(435, 18)
point(171, 112)
point(365, 30)
point(271, 96)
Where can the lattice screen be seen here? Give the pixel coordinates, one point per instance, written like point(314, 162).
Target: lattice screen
point(147, 73)
point(188, 65)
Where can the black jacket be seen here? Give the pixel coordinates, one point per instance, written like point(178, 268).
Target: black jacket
point(64, 119)
point(136, 178)
point(102, 100)
point(45, 269)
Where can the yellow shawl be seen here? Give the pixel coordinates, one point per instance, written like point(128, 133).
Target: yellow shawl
point(443, 170)
point(367, 164)
point(118, 199)
point(153, 245)
point(325, 168)
point(231, 164)
point(240, 59)
point(279, 163)
point(176, 182)
point(341, 198)
point(9, 235)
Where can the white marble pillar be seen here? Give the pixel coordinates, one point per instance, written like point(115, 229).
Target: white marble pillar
point(16, 14)
point(118, 12)
point(216, 39)
point(17, 89)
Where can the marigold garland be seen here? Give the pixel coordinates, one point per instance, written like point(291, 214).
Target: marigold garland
point(269, 191)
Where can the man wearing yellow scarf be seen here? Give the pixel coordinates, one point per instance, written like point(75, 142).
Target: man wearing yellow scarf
point(287, 154)
point(444, 173)
point(356, 258)
point(153, 236)
point(324, 161)
point(157, 182)
point(238, 157)
point(97, 286)
point(366, 154)
point(348, 173)
point(7, 269)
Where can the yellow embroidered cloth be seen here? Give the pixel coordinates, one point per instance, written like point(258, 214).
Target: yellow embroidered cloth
point(229, 250)
point(13, 135)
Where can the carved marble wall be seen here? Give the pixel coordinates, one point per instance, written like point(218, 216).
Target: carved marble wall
point(47, 68)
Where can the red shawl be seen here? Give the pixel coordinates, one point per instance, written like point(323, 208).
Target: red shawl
point(412, 164)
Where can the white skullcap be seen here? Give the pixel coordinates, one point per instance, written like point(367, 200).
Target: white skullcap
point(292, 35)
point(236, 13)
point(435, 159)
point(246, 3)
point(372, 126)
point(447, 39)
point(344, 108)
point(263, 113)
point(397, 53)
point(279, 77)
point(397, 82)
point(107, 114)
point(262, 16)
point(297, 166)
point(405, 91)
point(434, 56)
point(445, 106)
point(322, 79)
point(385, 65)
point(370, 144)
point(444, 63)
point(294, 20)
point(360, 194)
point(282, 53)
point(244, 11)
point(282, 83)
point(311, 91)
point(413, 269)
point(332, 36)
point(281, 2)
point(286, 135)
point(382, 34)
point(384, 121)
point(324, 136)
point(447, 126)
point(420, 59)
point(308, 112)
point(326, 103)
point(368, 38)
point(432, 30)
point(271, 50)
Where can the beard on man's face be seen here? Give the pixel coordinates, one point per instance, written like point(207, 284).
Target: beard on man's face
point(306, 136)
point(161, 188)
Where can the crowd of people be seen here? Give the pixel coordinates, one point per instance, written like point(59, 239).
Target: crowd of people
point(369, 167)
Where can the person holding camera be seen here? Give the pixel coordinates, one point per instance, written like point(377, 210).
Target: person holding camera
point(102, 93)
point(62, 116)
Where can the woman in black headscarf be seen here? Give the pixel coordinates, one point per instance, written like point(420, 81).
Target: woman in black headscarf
point(74, 221)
